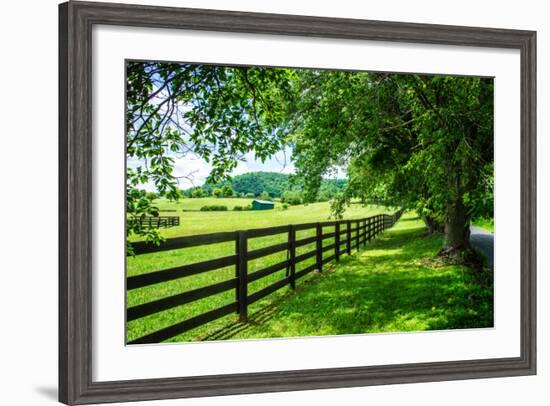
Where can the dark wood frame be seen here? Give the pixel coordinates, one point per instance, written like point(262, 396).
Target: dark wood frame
point(76, 20)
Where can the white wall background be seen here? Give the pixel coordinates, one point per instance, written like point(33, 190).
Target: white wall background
point(28, 187)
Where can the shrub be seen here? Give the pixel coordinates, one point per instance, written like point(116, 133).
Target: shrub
point(292, 198)
point(227, 191)
point(238, 208)
point(197, 193)
point(285, 206)
point(214, 207)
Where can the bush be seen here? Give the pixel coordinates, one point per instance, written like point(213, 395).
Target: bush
point(214, 207)
point(285, 206)
point(292, 198)
point(238, 208)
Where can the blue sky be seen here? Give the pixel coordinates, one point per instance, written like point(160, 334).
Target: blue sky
point(200, 169)
point(197, 169)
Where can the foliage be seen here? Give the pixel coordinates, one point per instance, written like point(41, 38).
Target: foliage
point(252, 184)
point(293, 198)
point(215, 207)
point(217, 192)
point(238, 208)
point(419, 142)
point(216, 113)
point(227, 191)
point(264, 195)
point(485, 223)
point(197, 193)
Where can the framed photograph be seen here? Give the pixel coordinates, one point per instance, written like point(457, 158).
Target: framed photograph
point(258, 202)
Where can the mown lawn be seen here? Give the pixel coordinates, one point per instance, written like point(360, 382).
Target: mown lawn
point(393, 286)
point(208, 222)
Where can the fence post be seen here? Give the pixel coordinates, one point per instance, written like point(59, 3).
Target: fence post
point(348, 237)
point(357, 235)
point(337, 240)
point(369, 229)
point(237, 266)
point(292, 248)
point(243, 276)
point(319, 247)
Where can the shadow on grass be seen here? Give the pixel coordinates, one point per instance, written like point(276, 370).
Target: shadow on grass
point(389, 287)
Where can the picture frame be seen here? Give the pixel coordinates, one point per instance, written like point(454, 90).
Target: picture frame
point(76, 352)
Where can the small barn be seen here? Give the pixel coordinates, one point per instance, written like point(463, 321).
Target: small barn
point(262, 205)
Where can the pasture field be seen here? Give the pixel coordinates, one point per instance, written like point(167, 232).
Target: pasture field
point(196, 222)
point(393, 286)
point(196, 204)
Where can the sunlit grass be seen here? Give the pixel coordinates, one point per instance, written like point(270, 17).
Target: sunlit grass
point(208, 222)
point(486, 224)
point(197, 222)
point(390, 287)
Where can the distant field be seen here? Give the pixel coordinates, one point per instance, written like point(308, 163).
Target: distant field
point(196, 204)
point(208, 222)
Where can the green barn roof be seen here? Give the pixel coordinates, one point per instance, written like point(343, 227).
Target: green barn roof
point(262, 204)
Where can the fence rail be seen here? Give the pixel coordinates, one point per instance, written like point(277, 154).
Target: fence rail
point(357, 232)
point(157, 222)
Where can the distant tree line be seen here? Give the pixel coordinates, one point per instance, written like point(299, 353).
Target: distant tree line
point(266, 186)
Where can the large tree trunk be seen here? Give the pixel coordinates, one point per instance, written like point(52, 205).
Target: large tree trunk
point(457, 223)
point(457, 227)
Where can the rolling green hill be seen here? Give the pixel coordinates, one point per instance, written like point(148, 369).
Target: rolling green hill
point(275, 184)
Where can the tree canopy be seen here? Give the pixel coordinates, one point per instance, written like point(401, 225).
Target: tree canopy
point(422, 142)
point(418, 142)
point(216, 113)
point(275, 184)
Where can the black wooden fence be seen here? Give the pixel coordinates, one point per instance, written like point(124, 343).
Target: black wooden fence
point(157, 222)
point(347, 234)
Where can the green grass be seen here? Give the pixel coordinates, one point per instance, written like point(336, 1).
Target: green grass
point(196, 204)
point(207, 222)
point(393, 286)
point(487, 224)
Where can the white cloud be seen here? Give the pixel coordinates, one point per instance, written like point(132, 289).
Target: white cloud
point(192, 171)
point(242, 167)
